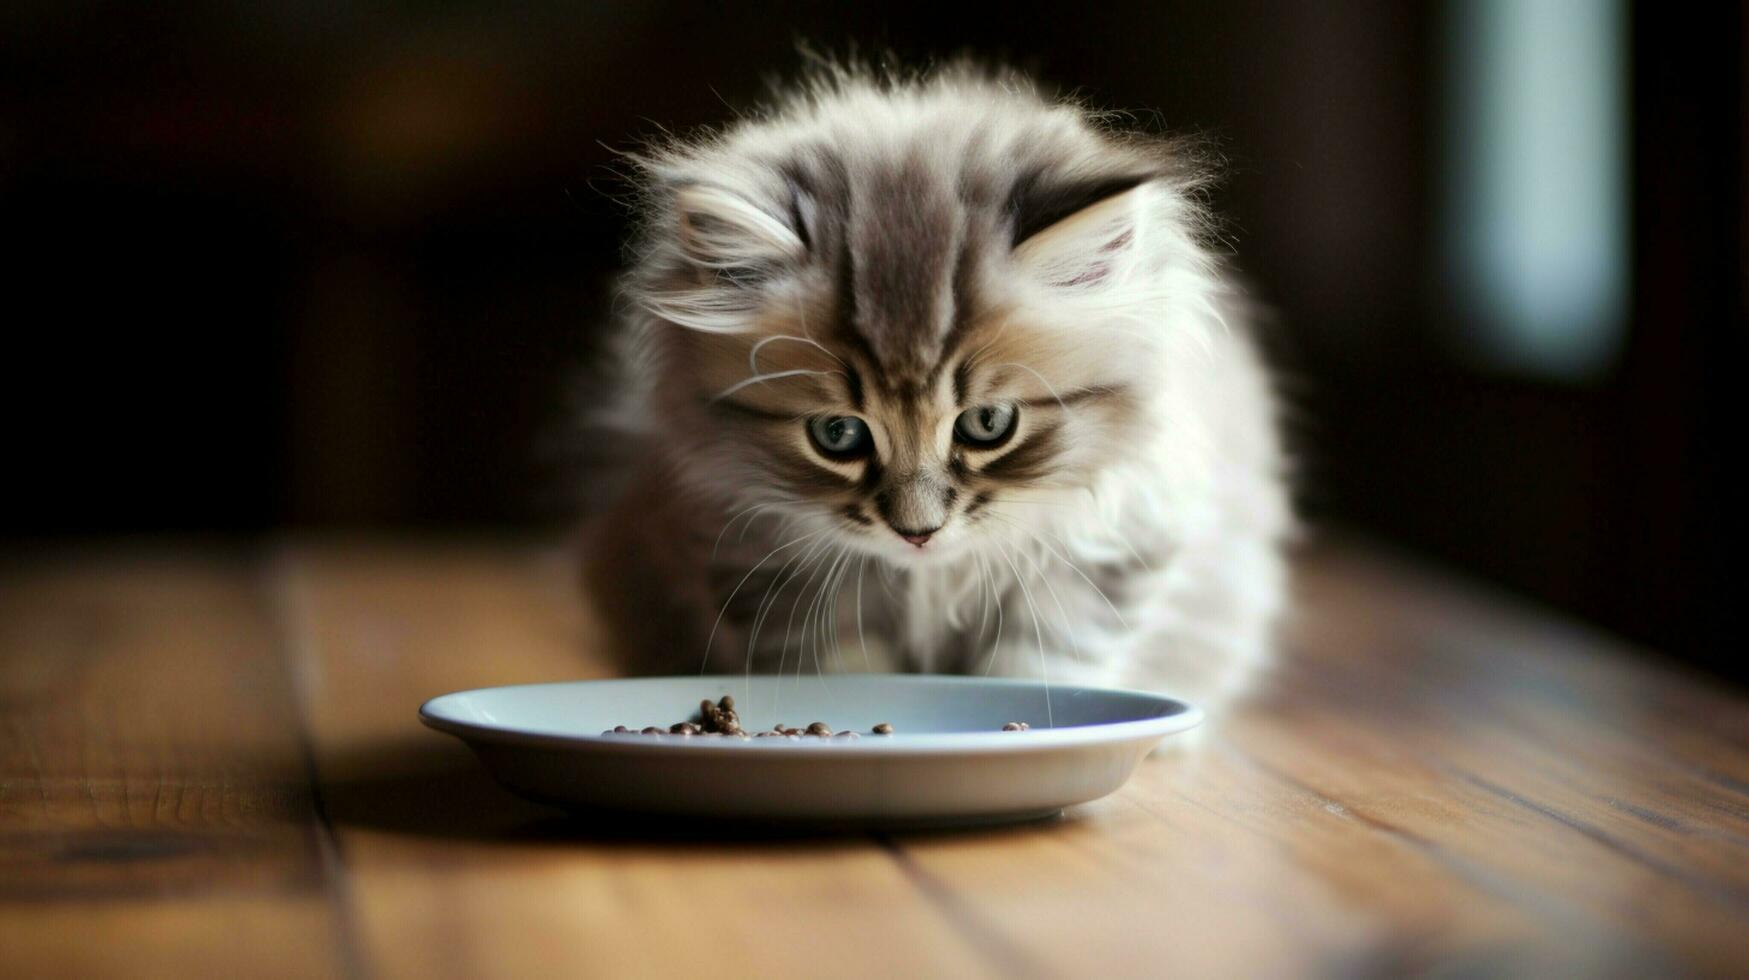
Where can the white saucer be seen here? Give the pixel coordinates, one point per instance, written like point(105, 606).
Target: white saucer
point(948, 762)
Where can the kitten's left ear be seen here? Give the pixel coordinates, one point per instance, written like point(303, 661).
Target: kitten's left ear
point(724, 231)
point(1082, 234)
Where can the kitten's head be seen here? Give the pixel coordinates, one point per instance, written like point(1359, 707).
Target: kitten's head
point(908, 313)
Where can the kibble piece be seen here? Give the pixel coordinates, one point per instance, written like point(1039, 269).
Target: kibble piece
point(847, 733)
point(883, 729)
point(1016, 726)
point(718, 717)
point(819, 728)
point(683, 728)
point(768, 735)
point(652, 730)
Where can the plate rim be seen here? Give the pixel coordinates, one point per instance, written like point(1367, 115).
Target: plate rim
point(1185, 717)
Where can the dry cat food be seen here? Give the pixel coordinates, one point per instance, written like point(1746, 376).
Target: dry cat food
point(719, 719)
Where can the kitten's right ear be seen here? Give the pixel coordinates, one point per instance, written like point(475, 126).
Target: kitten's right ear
point(724, 232)
point(1082, 234)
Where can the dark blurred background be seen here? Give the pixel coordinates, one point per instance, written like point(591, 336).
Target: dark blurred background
point(304, 266)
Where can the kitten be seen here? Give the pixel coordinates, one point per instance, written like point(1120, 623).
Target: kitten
point(936, 374)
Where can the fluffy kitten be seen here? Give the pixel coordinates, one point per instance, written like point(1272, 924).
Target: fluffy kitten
point(937, 374)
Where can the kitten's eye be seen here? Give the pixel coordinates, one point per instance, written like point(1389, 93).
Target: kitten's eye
point(985, 426)
point(840, 436)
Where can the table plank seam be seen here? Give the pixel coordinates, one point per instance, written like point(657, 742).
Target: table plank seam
point(1484, 879)
point(1719, 890)
point(1006, 959)
point(290, 642)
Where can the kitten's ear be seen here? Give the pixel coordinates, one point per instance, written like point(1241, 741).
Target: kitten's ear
point(724, 232)
point(1082, 234)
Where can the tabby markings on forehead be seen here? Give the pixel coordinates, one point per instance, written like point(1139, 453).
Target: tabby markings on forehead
point(907, 245)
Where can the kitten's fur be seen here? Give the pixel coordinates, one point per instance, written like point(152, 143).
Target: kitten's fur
point(898, 251)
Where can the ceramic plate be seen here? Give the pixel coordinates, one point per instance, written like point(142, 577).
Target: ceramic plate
point(948, 761)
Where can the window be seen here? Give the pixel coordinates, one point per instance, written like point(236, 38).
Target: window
point(1536, 187)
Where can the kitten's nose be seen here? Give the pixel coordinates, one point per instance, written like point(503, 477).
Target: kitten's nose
point(918, 538)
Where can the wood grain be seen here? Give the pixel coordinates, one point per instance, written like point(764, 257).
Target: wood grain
point(155, 795)
point(1434, 780)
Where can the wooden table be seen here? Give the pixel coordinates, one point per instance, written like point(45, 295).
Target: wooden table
point(210, 766)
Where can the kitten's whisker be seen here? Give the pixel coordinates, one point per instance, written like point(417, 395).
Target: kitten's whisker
point(1001, 329)
point(1048, 386)
point(829, 588)
point(779, 581)
point(1121, 538)
point(815, 614)
point(789, 624)
point(810, 620)
point(1038, 634)
point(769, 602)
point(828, 623)
point(814, 565)
point(822, 605)
point(762, 378)
point(1134, 553)
point(995, 594)
point(802, 318)
point(1113, 535)
point(1062, 612)
point(753, 354)
point(887, 582)
point(991, 598)
point(1072, 567)
point(731, 522)
point(851, 554)
point(830, 637)
point(703, 664)
point(807, 617)
point(984, 594)
point(782, 527)
point(1034, 566)
point(861, 638)
point(1116, 536)
point(766, 600)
